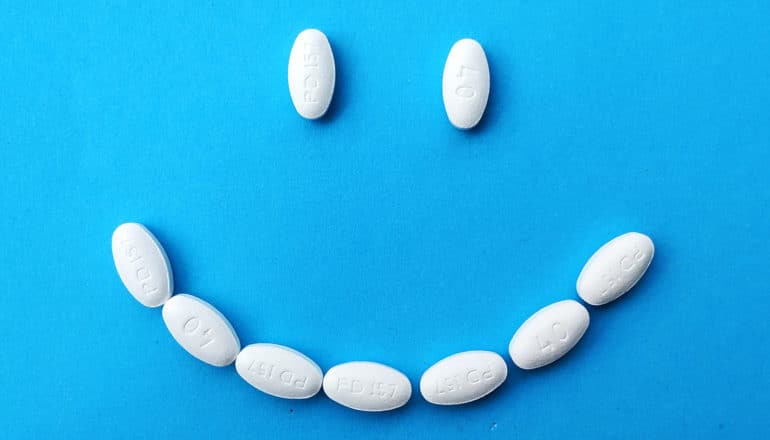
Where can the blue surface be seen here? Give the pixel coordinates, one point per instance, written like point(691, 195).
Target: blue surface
point(381, 232)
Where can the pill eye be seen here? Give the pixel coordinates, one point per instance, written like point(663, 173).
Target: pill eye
point(465, 84)
point(311, 74)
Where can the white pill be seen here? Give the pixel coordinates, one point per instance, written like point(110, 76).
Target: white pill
point(615, 268)
point(201, 330)
point(548, 334)
point(367, 386)
point(463, 377)
point(142, 264)
point(311, 74)
point(466, 83)
point(279, 371)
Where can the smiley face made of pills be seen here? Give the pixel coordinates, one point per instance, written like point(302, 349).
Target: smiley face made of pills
point(280, 371)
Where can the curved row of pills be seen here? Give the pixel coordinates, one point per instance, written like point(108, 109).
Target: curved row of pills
point(283, 372)
point(312, 77)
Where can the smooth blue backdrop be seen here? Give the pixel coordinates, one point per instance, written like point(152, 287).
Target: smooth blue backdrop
point(381, 232)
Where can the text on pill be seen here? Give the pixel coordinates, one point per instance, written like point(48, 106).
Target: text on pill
point(377, 389)
point(311, 55)
point(141, 271)
point(470, 377)
point(626, 264)
point(466, 90)
point(191, 325)
point(555, 333)
point(270, 372)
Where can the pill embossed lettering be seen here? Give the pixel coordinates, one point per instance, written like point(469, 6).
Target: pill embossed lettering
point(465, 83)
point(142, 264)
point(312, 74)
point(463, 377)
point(615, 268)
point(548, 334)
point(201, 330)
point(279, 371)
point(367, 386)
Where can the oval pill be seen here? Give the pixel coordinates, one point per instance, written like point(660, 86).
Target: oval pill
point(615, 268)
point(548, 334)
point(465, 84)
point(463, 377)
point(279, 371)
point(142, 264)
point(201, 330)
point(367, 386)
point(311, 74)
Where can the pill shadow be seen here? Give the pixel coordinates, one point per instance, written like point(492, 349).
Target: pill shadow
point(257, 401)
point(320, 401)
point(374, 417)
point(169, 241)
point(340, 96)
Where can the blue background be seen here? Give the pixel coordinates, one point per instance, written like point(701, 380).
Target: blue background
point(381, 232)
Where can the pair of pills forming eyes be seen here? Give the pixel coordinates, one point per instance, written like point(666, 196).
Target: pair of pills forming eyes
point(312, 76)
point(280, 371)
